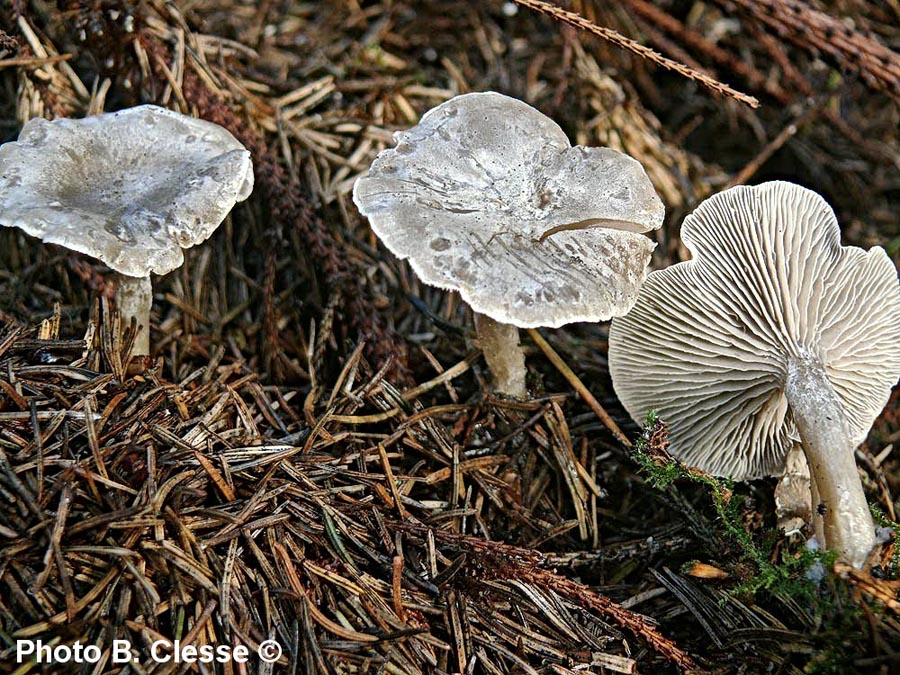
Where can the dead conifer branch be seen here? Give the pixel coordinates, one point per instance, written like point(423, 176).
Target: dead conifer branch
point(505, 562)
point(878, 65)
point(663, 21)
point(620, 40)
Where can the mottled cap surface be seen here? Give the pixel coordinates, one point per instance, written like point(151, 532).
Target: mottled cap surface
point(131, 188)
point(486, 196)
point(709, 343)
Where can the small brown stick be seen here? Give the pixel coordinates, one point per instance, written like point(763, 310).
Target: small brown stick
point(33, 62)
point(578, 385)
point(651, 30)
point(215, 475)
point(636, 623)
point(445, 377)
point(658, 18)
point(864, 582)
point(55, 551)
point(396, 586)
point(392, 482)
point(771, 148)
point(620, 40)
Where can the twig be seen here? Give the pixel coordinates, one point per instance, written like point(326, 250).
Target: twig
point(523, 564)
point(578, 385)
point(33, 62)
point(658, 18)
point(772, 147)
point(620, 40)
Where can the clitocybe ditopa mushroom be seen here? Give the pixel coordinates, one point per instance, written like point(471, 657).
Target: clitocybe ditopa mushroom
point(486, 196)
point(772, 335)
point(131, 188)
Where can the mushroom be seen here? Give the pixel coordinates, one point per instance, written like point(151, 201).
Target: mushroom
point(772, 335)
point(131, 188)
point(487, 197)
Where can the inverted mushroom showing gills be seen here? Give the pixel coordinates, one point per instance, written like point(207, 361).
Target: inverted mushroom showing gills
point(131, 188)
point(773, 334)
point(487, 197)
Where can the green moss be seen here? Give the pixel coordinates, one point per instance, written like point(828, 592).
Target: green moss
point(838, 640)
point(827, 609)
point(892, 569)
point(786, 576)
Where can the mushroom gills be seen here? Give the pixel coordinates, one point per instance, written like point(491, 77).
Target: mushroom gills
point(772, 336)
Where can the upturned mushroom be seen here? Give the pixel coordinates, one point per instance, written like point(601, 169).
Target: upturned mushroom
point(772, 335)
point(487, 197)
point(130, 188)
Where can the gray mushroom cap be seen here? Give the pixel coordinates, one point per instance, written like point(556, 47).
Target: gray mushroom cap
point(710, 342)
point(486, 196)
point(131, 188)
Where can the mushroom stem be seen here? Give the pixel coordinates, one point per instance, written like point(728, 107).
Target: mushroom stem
point(818, 522)
point(793, 505)
point(825, 436)
point(499, 343)
point(134, 298)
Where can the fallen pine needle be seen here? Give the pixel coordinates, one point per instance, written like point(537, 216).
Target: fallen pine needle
point(578, 385)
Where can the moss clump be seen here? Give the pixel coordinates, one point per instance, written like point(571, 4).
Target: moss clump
point(788, 576)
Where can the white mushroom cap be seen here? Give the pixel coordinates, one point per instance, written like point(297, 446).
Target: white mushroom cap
point(709, 343)
point(468, 193)
point(131, 188)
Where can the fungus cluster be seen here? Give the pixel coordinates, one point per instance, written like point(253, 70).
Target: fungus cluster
point(487, 197)
point(773, 343)
point(130, 188)
point(774, 348)
point(773, 335)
